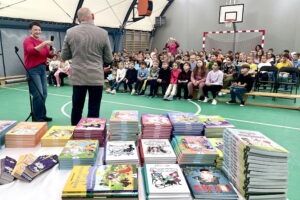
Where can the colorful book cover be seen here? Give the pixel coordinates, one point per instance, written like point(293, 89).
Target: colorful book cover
point(41, 165)
point(195, 145)
point(120, 150)
point(214, 121)
point(218, 144)
point(208, 182)
point(114, 178)
point(124, 115)
point(77, 181)
point(4, 125)
point(91, 124)
point(165, 178)
point(8, 165)
point(155, 120)
point(84, 149)
point(59, 132)
point(27, 128)
point(22, 163)
point(182, 118)
point(157, 148)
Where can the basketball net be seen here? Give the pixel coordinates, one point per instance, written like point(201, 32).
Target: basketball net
point(228, 23)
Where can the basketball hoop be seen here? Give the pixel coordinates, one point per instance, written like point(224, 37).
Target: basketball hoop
point(228, 23)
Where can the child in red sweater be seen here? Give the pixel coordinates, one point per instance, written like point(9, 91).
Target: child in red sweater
point(172, 88)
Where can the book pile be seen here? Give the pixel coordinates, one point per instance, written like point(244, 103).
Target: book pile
point(209, 183)
point(92, 129)
point(156, 151)
point(194, 150)
point(124, 125)
point(165, 181)
point(155, 126)
point(57, 136)
point(121, 152)
point(5, 126)
point(7, 165)
point(22, 163)
point(217, 143)
point(185, 124)
point(214, 125)
point(40, 165)
point(256, 165)
point(78, 152)
point(105, 181)
point(25, 134)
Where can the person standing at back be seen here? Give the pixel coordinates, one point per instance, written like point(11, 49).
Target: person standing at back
point(89, 48)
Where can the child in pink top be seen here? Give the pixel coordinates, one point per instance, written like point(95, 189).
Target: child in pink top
point(172, 88)
point(172, 45)
point(198, 79)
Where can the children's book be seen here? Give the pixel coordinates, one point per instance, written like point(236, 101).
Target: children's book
point(81, 149)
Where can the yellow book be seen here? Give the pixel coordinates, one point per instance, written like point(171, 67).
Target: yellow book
point(59, 132)
point(23, 162)
point(77, 181)
point(217, 143)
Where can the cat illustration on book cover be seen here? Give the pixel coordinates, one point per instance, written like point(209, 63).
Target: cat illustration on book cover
point(161, 179)
point(156, 149)
point(119, 150)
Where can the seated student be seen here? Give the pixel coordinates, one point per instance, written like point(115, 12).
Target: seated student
point(63, 71)
point(113, 75)
point(172, 88)
point(230, 72)
point(296, 61)
point(198, 78)
point(253, 66)
point(183, 81)
point(164, 77)
point(152, 79)
point(193, 61)
point(213, 58)
point(130, 77)
point(263, 63)
point(284, 62)
point(141, 82)
point(121, 72)
point(213, 83)
point(242, 85)
point(53, 66)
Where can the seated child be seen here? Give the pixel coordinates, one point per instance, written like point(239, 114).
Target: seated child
point(121, 72)
point(213, 83)
point(141, 82)
point(183, 80)
point(164, 77)
point(130, 77)
point(112, 76)
point(152, 79)
point(198, 78)
point(53, 66)
point(62, 72)
point(283, 76)
point(242, 85)
point(172, 88)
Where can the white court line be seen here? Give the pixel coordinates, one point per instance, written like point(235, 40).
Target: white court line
point(62, 109)
point(243, 121)
point(198, 107)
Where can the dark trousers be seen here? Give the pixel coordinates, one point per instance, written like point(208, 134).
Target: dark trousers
point(164, 85)
point(62, 75)
point(139, 85)
point(185, 88)
point(51, 78)
point(214, 89)
point(78, 99)
point(129, 84)
point(38, 89)
point(237, 92)
point(153, 87)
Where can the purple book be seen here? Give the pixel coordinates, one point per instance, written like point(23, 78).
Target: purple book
point(8, 165)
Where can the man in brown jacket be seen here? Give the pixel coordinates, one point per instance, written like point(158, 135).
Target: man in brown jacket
point(89, 48)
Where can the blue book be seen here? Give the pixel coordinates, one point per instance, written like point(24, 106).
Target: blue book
point(209, 182)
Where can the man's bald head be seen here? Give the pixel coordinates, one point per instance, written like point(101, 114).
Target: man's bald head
point(84, 14)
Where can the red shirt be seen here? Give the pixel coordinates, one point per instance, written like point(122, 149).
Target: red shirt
point(33, 57)
point(172, 47)
point(174, 76)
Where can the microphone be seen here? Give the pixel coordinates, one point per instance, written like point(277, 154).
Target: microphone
point(52, 38)
point(16, 49)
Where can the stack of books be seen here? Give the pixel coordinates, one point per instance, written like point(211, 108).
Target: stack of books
point(25, 134)
point(185, 124)
point(194, 150)
point(92, 129)
point(124, 125)
point(7, 165)
point(57, 136)
point(38, 166)
point(165, 181)
point(155, 126)
point(105, 181)
point(78, 152)
point(156, 151)
point(22, 163)
point(214, 125)
point(209, 183)
point(5, 126)
point(217, 143)
point(256, 165)
point(121, 152)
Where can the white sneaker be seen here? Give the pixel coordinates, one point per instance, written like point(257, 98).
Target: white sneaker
point(133, 92)
point(214, 102)
point(113, 92)
point(223, 93)
point(220, 94)
point(205, 100)
point(108, 90)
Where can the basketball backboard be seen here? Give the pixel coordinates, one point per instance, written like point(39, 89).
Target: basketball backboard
point(231, 12)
